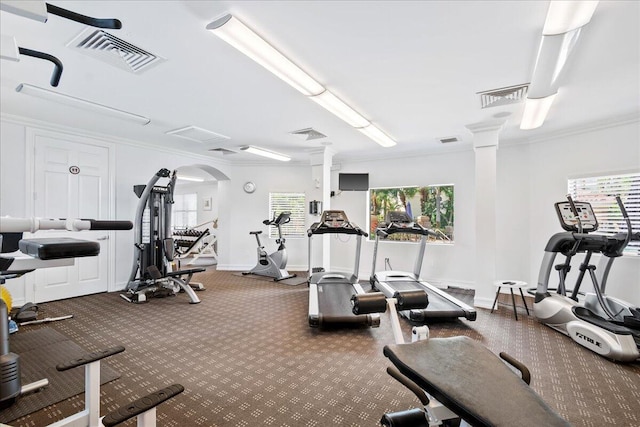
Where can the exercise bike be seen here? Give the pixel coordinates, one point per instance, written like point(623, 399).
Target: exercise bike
point(274, 264)
point(605, 325)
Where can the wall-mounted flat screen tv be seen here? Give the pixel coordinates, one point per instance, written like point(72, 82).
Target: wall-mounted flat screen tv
point(353, 182)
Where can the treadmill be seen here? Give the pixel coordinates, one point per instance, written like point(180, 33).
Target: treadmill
point(441, 305)
point(329, 292)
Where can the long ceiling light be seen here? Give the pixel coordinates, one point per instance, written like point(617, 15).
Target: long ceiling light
point(333, 104)
point(563, 24)
point(535, 111)
point(72, 101)
point(377, 135)
point(265, 153)
point(189, 178)
point(564, 16)
point(238, 35)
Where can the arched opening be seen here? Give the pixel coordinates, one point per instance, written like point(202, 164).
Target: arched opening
point(195, 214)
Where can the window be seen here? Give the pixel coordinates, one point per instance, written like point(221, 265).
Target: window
point(600, 191)
point(184, 212)
point(430, 206)
point(288, 202)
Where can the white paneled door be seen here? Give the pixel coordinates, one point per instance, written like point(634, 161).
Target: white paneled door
point(71, 180)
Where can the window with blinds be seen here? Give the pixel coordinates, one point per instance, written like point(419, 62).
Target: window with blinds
point(600, 191)
point(288, 202)
point(184, 212)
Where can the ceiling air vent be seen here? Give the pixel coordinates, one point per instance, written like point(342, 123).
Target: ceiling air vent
point(309, 134)
point(449, 140)
point(222, 150)
point(194, 133)
point(503, 96)
point(115, 51)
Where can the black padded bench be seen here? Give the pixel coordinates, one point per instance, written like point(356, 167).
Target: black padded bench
point(58, 248)
point(471, 381)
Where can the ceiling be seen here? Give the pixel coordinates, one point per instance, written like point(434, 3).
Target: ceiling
point(412, 68)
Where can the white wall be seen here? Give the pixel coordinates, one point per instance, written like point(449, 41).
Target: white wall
point(203, 190)
point(531, 177)
point(551, 163)
point(444, 264)
point(241, 213)
point(13, 187)
point(130, 170)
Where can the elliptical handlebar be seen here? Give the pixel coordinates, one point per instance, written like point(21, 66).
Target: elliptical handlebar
point(575, 212)
point(625, 216)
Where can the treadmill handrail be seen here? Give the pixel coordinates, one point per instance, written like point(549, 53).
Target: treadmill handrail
point(346, 228)
point(415, 228)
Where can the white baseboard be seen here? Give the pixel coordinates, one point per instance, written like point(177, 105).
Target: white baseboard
point(483, 302)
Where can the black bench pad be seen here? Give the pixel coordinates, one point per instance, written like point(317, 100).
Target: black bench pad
point(59, 247)
point(474, 383)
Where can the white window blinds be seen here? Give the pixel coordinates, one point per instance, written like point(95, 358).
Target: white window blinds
point(288, 202)
point(184, 211)
point(600, 191)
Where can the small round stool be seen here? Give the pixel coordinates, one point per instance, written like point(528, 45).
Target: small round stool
point(511, 284)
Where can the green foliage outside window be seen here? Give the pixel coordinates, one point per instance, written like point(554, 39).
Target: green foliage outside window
point(430, 206)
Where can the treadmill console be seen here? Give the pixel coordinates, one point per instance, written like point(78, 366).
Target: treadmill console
point(398, 219)
point(334, 219)
point(335, 222)
point(568, 219)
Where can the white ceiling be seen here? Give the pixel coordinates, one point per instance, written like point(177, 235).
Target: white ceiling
point(413, 68)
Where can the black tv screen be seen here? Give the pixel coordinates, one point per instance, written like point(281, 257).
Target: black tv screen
point(353, 182)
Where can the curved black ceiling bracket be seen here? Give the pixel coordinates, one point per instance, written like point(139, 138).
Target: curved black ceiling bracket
point(114, 24)
point(57, 70)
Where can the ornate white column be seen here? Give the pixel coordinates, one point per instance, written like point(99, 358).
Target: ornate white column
point(321, 162)
point(485, 145)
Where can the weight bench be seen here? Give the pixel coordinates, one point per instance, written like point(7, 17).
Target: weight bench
point(470, 381)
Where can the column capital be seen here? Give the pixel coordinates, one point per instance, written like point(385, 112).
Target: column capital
point(485, 134)
point(320, 156)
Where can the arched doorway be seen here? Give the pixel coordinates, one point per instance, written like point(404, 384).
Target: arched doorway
point(195, 214)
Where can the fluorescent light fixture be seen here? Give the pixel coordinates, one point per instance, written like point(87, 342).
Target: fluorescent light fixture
point(265, 153)
point(189, 178)
point(334, 105)
point(535, 112)
point(564, 16)
point(83, 104)
point(238, 35)
point(552, 57)
point(36, 10)
point(560, 34)
point(378, 136)
point(9, 48)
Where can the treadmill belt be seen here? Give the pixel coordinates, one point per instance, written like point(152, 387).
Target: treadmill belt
point(439, 307)
point(334, 302)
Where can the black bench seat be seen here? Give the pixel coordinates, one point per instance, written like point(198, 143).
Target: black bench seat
point(471, 381)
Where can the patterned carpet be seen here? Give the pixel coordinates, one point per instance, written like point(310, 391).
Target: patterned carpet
point(247, 357)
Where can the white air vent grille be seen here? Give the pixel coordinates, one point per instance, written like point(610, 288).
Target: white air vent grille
point(449, 139)
point(194, 133)
point(115, 51)
point(222, 150)
point(309, 134)
point(503, 96)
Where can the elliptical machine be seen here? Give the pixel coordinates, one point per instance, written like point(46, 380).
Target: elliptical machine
point(605, 325)
point(274, 264)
